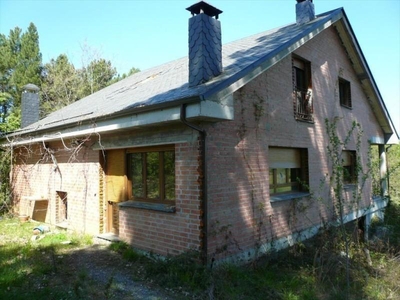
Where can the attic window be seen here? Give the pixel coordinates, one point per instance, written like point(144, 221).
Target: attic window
point(345, 93)
point(302, 90)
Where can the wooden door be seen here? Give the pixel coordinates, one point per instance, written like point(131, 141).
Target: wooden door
point(116, 181)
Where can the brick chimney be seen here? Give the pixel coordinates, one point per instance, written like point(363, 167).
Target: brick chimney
point(205, 50)
point(29, 105)
point(305, 11)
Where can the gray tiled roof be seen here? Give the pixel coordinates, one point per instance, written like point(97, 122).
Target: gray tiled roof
point(169, 82)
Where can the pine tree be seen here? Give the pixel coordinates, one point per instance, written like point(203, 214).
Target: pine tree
point(21, 64)
point(60, 84)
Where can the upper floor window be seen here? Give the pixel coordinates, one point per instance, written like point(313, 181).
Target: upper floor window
point(288, 170)
point(151, 174)
point(344, 93)
point(302, 90)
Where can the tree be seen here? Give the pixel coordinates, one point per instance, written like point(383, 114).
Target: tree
point(98, 74)
point(21, 64)
point(132, 71)
point(9, 47)
point(60, 84)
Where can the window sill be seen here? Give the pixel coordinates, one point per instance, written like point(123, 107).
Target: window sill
point(346, 106)
point(290, 196)
point(306, 120)
point(349, 186)
point(150, 206)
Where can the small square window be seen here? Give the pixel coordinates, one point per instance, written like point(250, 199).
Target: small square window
point(345, 93)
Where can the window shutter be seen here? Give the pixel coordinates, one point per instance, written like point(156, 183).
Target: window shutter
point(346, 157)
point(297, 63)
point(284, 158)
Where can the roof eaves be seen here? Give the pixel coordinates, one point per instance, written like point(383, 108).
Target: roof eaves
point(134, 110)
point(370, 77)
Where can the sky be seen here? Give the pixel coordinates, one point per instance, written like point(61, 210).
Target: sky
point(143, 34)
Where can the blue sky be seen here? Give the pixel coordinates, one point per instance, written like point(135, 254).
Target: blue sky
point(142, 34)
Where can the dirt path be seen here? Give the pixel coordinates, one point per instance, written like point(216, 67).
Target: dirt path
point(112, 276)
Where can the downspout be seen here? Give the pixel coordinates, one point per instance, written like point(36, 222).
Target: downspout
point(204, 204)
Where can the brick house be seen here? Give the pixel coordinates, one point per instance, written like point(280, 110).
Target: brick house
point(221, 152)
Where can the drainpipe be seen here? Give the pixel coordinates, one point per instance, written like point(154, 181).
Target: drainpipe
point(204, 204)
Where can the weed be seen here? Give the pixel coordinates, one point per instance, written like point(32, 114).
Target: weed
point(119, 247)
point(107, 291)
point(311, 270)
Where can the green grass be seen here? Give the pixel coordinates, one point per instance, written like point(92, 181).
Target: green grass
point(311, 271)
point(29, 269)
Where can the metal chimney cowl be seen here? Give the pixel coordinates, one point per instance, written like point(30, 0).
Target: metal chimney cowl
point(205, 46)
point(305, 11)
point(29, 105)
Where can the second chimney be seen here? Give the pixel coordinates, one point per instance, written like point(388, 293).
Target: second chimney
point(305, 11)
point(29, 105)
point(205, 49)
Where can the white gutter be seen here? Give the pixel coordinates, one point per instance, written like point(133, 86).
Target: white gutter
point(207, 110)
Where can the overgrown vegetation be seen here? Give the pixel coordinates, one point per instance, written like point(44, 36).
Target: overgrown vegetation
point(36, 269)
point(42, 269)
point(5, 190)
point(313, 270)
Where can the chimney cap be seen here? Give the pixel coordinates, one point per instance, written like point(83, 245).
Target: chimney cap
point(30, 87)
point(204, 7)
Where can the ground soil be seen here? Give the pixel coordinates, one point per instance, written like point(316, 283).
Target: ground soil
point(111, 275)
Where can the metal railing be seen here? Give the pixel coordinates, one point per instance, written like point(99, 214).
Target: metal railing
point(303, 104)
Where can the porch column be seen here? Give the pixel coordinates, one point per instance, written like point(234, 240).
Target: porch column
point(383, 170)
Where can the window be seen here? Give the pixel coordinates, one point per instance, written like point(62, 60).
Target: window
point(151, 174)
point(302, 90)
point(349, 167)
point(344, 93)
point(288, 170)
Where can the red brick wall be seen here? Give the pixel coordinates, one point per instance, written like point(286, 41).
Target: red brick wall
point(74, 172)
point(163, 232)
point(241, 215)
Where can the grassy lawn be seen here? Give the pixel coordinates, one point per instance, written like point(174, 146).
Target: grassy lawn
point(48, 268)
point(32, 269)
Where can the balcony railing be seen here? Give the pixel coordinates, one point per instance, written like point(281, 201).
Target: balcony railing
point(303, 105)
